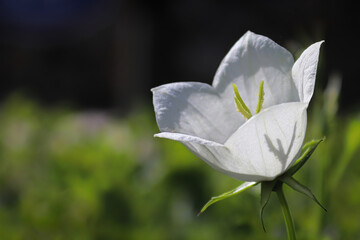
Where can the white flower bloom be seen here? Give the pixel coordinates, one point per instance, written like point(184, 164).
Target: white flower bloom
point(205, 120)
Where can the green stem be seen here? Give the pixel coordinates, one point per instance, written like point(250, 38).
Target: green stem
point(287, 215)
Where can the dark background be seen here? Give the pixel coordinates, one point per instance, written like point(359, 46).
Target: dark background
point(103, 54)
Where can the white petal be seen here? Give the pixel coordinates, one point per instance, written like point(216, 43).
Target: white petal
point(271, 140)
point(216, 155)
point(194, 109)
point(304, 72)
point(252, 59)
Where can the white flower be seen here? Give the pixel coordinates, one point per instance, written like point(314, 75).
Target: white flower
point(205, 120)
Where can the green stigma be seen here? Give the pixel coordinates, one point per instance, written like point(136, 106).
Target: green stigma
point(261, 97)
point(241, 106)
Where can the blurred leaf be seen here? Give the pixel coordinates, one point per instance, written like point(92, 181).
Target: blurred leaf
point(350, 148)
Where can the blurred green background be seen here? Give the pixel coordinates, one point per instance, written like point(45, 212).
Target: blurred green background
point(67, 174)
point(77, 155)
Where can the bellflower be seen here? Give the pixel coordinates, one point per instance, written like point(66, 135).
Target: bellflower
point(263, 144)
point(266, 81)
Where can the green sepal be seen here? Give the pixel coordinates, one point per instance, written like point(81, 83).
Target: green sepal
point(307, 150)
point(266, 189)
point(239, 189)
point(291, 182)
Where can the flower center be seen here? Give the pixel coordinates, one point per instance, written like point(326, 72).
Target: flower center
point(241, 106)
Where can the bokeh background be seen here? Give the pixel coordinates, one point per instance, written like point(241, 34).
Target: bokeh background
point(77, 155)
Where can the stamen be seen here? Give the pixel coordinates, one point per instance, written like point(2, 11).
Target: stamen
point(240, 105)
point(261, 97)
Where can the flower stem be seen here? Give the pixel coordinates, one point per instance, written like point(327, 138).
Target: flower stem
point(287, 215)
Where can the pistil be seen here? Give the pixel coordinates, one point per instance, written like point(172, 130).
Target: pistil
point(241, 106)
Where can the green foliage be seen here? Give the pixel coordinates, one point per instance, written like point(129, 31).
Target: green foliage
point(89, 175)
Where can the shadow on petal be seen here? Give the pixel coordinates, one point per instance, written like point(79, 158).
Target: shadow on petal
point(279, 151)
